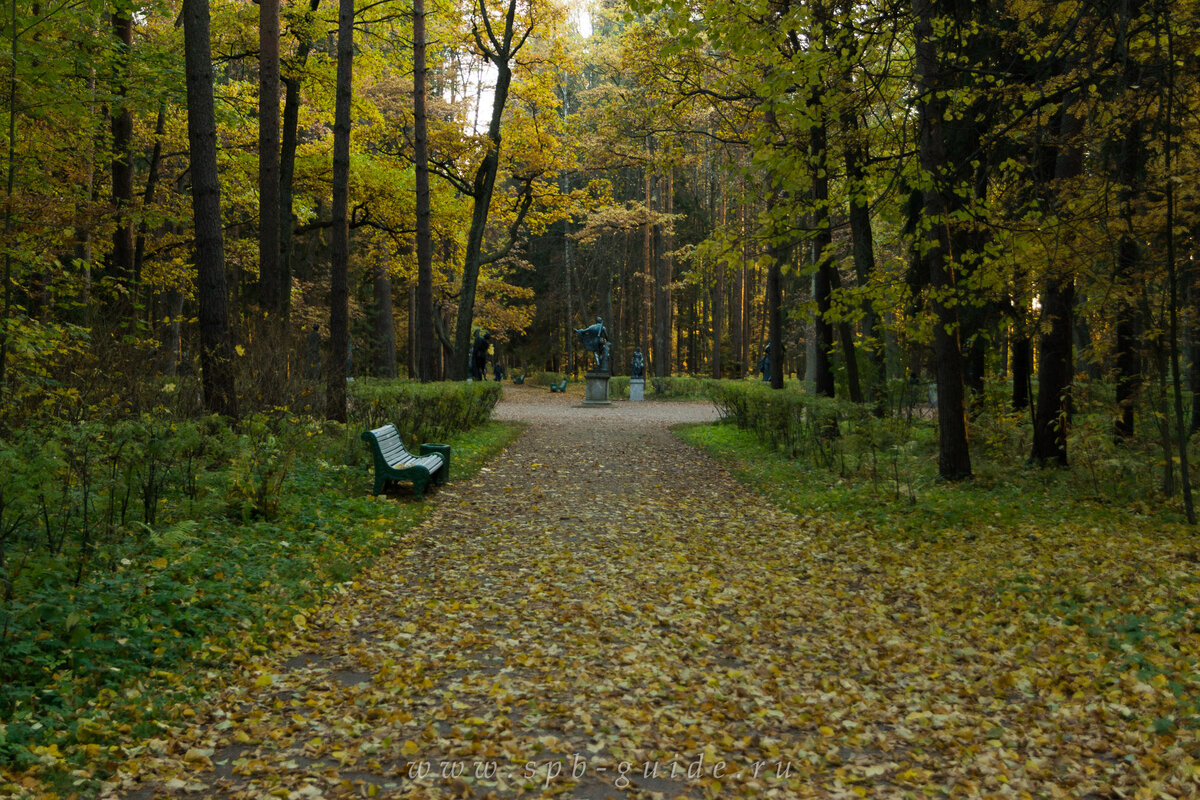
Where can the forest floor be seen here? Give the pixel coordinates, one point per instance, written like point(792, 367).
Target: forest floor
point(605, 611)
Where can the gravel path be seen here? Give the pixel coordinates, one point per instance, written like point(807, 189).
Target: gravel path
point(536, 404)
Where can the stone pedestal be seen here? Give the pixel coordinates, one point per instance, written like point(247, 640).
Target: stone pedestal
point(637, 389)
point(596, 389)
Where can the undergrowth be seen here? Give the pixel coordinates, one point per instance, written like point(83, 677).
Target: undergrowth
point(131, 548)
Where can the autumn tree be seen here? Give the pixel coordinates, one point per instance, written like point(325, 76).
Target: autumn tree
point(499, 37)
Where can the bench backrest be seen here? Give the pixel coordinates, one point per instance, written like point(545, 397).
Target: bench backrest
point(387, 445)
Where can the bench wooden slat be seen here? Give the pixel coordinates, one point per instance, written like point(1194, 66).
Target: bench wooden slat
point(393, 462)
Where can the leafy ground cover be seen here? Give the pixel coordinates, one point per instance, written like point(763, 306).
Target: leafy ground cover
point(604, 611)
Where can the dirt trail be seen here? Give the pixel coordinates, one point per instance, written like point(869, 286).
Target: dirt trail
point(565, 622)
point(603, 612)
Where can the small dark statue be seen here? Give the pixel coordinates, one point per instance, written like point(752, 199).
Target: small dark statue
point(638, 370)
point(595, 340)
point(479, 354)
point(764, 363)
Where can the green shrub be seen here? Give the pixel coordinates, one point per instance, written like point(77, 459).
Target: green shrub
point(423, 412)
point(546, 378)
point(677, 387)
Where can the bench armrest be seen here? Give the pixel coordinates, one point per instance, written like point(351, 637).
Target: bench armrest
point(444, 451)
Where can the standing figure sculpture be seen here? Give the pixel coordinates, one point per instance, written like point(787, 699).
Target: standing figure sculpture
point(479, 354)
point(595, 340)
point(764, 363)
point(638, 369)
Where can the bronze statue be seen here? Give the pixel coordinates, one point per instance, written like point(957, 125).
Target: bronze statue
point(595, 340)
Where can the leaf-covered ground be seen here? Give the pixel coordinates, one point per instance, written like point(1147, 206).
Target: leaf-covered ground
point(606, 612)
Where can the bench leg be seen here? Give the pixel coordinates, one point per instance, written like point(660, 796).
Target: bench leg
point(419, 485)
point(380, 485)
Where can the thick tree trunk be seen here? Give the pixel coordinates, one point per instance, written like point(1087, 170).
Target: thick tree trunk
point(339, 256)
point(216, 350)
point(1056, 365)
point(954, 461)
point(427, 343)
point(1022, 371)
point(270, 283)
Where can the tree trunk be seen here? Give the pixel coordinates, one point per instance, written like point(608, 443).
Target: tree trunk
point(862, 240)
point(954, 461)
point(139, 247)
point(500, 52)
point(216, 350)
point(270, 284)
point(339, 256)
point(737, 304)
point(427, 343)
point(1022, 370)
point(720, 272)
point(287, 166)
point(384, 323)
point(1056, 366)
point(776, 254)
point(662, 287)
point(120, 260)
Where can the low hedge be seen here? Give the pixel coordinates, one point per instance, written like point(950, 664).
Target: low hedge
point(423, 412)
point(546, 378)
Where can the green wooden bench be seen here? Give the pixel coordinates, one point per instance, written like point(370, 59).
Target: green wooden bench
point(561, 386)
point(518, 379)
point(393, 462)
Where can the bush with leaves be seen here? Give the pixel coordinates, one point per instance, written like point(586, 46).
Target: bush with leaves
point(423, 412)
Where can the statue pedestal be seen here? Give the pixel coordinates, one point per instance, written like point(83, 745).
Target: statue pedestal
point(637, 390)
point(596, 389)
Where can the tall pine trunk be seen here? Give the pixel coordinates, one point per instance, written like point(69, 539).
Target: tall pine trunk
point(339, 255)
point(216, 350)
point(423, 327)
